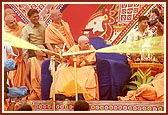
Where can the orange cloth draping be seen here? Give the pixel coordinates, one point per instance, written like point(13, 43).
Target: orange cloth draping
point(16, 76)
point(86, 78)
point(17, 31)
point(35, 78)
point(158, 84)
point(59, 34)
point(148, 92)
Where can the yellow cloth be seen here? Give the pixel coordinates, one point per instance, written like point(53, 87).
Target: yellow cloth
point(16, 76)
point(56, 34)
point(35, 77)
point(148, 92)
point(86, 79)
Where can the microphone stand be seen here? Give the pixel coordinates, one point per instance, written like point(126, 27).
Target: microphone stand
point(52, 64)
point(75, 77)
point(74, 54)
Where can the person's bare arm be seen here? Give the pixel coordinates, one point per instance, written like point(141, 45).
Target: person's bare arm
point(88, 62)
point(49, 47)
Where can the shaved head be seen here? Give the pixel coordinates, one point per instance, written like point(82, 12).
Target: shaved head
point(82, 38)
point(55, 11)
point(83, 42)
point(56, 15)
point(11, 22)
point(9, 17)
point(9, 11)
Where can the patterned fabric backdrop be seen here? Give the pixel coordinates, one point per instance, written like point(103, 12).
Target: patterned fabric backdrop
point(44, 10)
point(112, 22)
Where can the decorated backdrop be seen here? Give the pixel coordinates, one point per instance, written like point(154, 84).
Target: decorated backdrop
point(112, 21)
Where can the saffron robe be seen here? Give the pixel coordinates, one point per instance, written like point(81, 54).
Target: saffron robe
point(57, 34)
point(35, 78)
point(64, 81)
point(153, 91)
point(16, 76)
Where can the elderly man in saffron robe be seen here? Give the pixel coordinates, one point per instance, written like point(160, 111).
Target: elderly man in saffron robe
point(86, 76)
point(13, 27)
point(7, 12)
point(57, 37)
point(58, 32)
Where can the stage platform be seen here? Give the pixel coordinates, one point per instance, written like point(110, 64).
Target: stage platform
point(42, 105)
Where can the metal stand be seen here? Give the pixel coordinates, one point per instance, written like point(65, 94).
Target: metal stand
point(75, 77)
point(52, 63)
point(74, 54)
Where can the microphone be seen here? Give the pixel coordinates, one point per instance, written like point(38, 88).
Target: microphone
point(77, 53)
point(57, 55)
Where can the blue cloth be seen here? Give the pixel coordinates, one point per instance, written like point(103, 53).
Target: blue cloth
point(112, 76)
point(46, 80)
point(9, 64)
point(113, 71)
point(98, 42)
point(20, 92)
